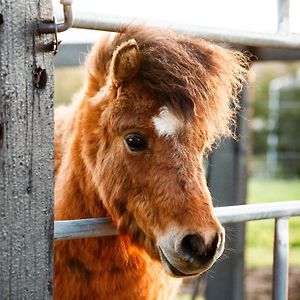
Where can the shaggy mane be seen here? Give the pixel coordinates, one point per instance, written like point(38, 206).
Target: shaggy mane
point(193, 77)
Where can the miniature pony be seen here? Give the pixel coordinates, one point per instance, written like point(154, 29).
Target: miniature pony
point(130, 147)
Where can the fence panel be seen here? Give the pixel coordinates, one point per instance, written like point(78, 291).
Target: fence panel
point(26, 151)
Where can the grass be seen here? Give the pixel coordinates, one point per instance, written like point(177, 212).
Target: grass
point(259, 250)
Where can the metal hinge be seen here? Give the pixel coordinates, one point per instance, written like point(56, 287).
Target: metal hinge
point(53, 27)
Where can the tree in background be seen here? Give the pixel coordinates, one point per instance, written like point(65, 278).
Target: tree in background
point(288, 127)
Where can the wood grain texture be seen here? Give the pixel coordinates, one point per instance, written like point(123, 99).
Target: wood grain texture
point(26, 151)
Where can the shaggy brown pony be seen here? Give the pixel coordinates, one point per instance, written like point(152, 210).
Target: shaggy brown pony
point(130, 147)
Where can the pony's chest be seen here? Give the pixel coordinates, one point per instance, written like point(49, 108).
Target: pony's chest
point(97, 269)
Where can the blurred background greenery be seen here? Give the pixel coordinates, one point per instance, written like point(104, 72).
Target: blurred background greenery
point(287, 127)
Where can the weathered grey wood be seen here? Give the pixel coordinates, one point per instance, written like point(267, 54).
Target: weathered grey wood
point(26, 152)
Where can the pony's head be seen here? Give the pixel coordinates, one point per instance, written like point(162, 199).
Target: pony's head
point(155, 102)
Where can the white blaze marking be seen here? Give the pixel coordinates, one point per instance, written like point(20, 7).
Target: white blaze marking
point(166, 123)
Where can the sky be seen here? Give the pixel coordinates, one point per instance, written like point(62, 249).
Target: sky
point(246, 15)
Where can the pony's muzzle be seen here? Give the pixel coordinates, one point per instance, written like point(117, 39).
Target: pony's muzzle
point(192, 253)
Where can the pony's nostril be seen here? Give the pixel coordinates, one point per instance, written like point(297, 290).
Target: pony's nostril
point(212, 248)
point(193, 246)
point(195, 251)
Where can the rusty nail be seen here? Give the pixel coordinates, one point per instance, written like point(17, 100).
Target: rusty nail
point(40, 77)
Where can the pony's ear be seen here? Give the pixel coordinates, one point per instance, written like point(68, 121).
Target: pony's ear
point(125, 62)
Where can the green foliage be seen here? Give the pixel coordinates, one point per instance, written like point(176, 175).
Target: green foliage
point(288, 132)
point(259, 96)
point(288, 126)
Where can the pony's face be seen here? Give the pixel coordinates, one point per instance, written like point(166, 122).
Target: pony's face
point(156, 189)
point(147, 167)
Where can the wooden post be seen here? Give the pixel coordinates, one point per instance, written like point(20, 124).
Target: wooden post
point(26, 151)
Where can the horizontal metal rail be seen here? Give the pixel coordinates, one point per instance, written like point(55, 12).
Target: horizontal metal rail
point(75, 229)
point(250, 212)
point(113, 23)
point(105, 22)
point(97, 227)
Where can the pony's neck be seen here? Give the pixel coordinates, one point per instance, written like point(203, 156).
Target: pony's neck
point(75, 194)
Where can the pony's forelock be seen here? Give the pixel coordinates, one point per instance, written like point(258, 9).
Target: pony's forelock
point(196, 79)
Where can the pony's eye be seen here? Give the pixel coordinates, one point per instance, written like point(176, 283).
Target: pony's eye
point(136, 142)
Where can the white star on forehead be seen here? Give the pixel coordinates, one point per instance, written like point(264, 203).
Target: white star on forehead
point(166, 123)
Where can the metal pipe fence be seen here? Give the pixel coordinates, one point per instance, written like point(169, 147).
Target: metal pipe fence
point(280, 211)
point(113, 23)
point(283, 38)
point(97, 227)
point(280, 259)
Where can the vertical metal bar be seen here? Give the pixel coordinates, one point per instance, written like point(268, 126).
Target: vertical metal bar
point(283, 15)
point(280, 260)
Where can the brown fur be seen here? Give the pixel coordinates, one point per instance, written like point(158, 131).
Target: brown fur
point(145, 193)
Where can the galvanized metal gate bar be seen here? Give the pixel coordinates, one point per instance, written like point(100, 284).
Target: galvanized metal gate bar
point(280, 259)
point(90, 20)
point(112, 23)
point(94, 227)
point(283, 16)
